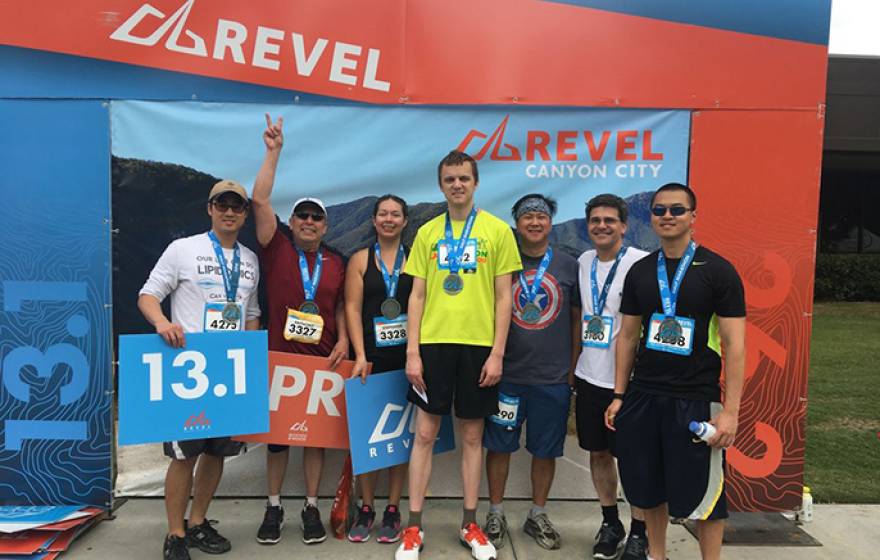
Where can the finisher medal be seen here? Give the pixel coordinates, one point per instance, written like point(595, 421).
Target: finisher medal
point(670, 329)
point(390, 308)
point(309, 306)
point(596, 325)
point(231, 312)
point(453, 284)
point(531, 313)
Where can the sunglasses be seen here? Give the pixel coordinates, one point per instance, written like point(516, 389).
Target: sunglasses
point(237, 208)
point(676, 211)
point(306, 215)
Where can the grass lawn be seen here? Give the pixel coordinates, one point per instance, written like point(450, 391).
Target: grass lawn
point(843, 407)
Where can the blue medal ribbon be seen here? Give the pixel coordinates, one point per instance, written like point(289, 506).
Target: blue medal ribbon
point(669, 296)
point(310, 282)
point(454, 253)
point(230, 279)
point(532, 291)
point(390, 279)
point(599, 299)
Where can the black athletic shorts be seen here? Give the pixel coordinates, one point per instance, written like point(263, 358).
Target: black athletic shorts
point(660, 460)
point(217, 447)
point(589, 410)
point(452, 374)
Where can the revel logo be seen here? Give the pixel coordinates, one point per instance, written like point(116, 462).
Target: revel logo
point(197, 423)
point(233, 38)
point(574, 153)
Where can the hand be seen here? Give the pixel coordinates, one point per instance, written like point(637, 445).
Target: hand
point(725, 429)
point(414, 371)
point(273, 136)
point(490, 374)
point(611, 414)
point(172, 333)
point(339, 353)
point(360, 369)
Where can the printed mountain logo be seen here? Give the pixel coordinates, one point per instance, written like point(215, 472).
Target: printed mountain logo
point(198, 422)
point(573, 154)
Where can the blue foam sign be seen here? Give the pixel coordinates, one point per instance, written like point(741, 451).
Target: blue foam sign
point(218, 385)
point(381, 422)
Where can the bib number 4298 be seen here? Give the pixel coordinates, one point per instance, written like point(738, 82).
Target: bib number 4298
point(196, 374)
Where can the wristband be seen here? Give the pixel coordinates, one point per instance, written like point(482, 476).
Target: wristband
point(617, 396)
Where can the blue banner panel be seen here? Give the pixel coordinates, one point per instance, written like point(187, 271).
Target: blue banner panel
point(218, 385)
point(797, 20)
point(56, 391)
point(381, 422)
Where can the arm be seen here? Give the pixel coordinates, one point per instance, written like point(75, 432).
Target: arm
point(733, 341)
point(575, 342)
point(261, 197)
point(354, 301)
point(491, 372)
point(252, 325)
point(340, 349)
point(151, 308)
point(415, 309)
point(624, 356)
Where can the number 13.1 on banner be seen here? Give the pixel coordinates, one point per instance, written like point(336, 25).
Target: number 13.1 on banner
point(216, 386)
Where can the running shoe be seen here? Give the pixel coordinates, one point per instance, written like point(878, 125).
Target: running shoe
point(360, 531)
point(541, 529)
point(636, 548)
point(609, 541)
point(175, 548)
point(206, 538)
point(496, 528)
point(412, 544)
point(270, 529)
point(474, 538)
point(389, 532)
point(313, 529)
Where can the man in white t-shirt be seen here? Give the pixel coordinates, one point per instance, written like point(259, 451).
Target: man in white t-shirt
point(212, 280)
point(602, 271)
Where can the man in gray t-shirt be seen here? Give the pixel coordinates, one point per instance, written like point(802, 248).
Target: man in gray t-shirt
point(542, 347)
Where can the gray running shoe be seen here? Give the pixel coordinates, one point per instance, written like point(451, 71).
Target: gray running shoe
point(541, 529)
point(496, 527)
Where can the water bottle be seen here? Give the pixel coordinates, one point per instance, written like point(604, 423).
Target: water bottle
point(805, 514)
point(702, 430)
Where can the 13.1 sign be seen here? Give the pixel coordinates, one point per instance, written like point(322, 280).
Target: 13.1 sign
point(216, 386)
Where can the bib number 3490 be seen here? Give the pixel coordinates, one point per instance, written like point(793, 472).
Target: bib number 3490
point(196, 373)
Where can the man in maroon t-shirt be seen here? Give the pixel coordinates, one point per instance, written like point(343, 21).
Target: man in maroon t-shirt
point(304, 287)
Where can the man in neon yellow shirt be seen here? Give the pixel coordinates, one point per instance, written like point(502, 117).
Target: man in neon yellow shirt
point(459, 314)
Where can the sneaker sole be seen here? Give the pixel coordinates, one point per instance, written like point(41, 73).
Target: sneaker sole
point(468, 546)
point(600, 556)
point(532, 532)
point(209, 550)
point(315, 540)
point(388, 540)
point(358, 539)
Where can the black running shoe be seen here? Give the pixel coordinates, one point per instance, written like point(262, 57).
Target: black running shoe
point(313, 529)
point(206, 538)
point(609, 541)
point(270, 529)
point(175, 548)
point(636, 548)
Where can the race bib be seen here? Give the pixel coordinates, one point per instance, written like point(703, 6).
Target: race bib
point(390, 332)
point(664, 336)
point(508, 407)
point(303, 327)
point(468, 258)
point(595, 335)
point(217, 320)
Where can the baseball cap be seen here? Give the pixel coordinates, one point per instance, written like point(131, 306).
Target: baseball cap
point(225, 186)
point(316, 201)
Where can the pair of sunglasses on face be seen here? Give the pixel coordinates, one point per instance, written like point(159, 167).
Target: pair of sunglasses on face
point(236, 207)
point(676, 211)
point(316, 217)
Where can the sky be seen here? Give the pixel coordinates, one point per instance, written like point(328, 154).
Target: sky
point(854, 27)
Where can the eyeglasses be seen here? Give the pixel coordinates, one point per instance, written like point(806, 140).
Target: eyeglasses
point(316, 217)
point(676, 211)
point(237, 208)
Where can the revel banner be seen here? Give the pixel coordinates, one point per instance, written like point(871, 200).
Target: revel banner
point(214, 386)
point(381, 422)
point(306, 404)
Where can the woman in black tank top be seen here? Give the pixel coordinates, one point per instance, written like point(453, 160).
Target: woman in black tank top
point(375, 313)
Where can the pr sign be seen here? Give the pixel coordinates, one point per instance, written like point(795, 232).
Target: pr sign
point(306, 404)
point(381, 422)
point(215, 386)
